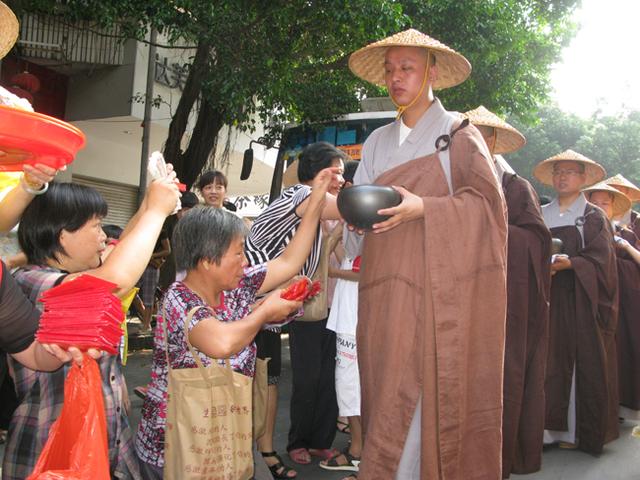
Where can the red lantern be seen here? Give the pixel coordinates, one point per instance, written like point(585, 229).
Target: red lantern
point(27, 81)
point(21, 93)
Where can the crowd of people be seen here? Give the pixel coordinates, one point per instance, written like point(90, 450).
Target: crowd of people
point(458, 336)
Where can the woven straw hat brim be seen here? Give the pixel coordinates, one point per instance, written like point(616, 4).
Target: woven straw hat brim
point(368, 62)
point(508, 138)
point(290, 175)
point(625, 186)
point(621, 203)
point(594, 171)
point(9, 29)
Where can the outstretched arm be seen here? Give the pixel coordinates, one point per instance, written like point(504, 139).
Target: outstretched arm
point(14, 203)
point(289, 263)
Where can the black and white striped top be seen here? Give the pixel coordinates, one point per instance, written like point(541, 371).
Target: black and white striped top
point(274, 228)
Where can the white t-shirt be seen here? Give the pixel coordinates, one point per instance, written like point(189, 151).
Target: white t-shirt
point(343, 317)
point(404, 132)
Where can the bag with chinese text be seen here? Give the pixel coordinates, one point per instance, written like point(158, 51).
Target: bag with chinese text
point(260, 395)
point(208, 432)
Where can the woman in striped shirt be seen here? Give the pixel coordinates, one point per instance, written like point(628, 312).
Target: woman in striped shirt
point(313, 403)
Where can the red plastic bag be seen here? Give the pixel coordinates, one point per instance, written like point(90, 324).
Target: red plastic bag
point(77, 445)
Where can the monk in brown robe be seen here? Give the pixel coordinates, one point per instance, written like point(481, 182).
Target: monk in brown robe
point(581, 380)
point(432, 299)
point(630, 219)
point(528, 283)
point(615, 204)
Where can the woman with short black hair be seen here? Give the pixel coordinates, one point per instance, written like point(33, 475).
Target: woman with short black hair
point(61, 234)
point(312, 404)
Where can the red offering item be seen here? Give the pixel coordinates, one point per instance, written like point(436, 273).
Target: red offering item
point(296, 290)
point(355, 266)
point(77, 444)
point(302, 290)
point(28, 137)
point(83, 313)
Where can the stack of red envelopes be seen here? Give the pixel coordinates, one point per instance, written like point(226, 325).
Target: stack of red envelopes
point(83, 313)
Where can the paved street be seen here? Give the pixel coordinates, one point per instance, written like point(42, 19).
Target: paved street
point(620, 460)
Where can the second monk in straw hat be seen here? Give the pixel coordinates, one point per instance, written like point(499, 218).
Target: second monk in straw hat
point(432, 292)
point(581, 379)
point(528, 282)
point(614, 203)
point(630, 219)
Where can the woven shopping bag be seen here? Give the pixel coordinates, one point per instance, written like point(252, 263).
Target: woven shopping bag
point(208, 432)
point(260, 395)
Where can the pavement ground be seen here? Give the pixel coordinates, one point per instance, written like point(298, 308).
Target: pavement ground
point(619, 461)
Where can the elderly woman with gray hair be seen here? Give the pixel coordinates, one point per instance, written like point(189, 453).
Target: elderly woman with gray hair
point(209, 245)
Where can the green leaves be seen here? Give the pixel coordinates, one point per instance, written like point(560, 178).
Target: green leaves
point(286, 60)
point(612, 141)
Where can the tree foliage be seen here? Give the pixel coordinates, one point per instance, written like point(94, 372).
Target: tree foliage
point(286, 60)
point(511, 45)
point(612, 141)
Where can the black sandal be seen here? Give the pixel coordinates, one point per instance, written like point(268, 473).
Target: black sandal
point(352, 465)
point(278, 470)
point(343, 427)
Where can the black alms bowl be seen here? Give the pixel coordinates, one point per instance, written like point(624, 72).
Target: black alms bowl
point(557, 246)
point(359, 205)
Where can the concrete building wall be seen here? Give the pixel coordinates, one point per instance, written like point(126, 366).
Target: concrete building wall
point(102, 92)
point(100, 105)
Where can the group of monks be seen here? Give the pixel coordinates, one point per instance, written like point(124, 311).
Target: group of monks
point(487, 324)
point(572, 346)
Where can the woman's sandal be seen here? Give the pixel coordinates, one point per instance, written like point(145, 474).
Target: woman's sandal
point(343, 427)
point(300, 456)
point(323, 453)
point(352, 464)
point(278, 470)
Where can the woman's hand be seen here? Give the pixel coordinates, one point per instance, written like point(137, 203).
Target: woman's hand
point(35, 176)
point(71, 354)
point(277, 309)
point(162, 195)
point(327, 180)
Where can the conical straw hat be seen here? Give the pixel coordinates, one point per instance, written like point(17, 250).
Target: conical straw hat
point(621, 202)
point(625, 186)
point(594, 171)
point(290, 175)
point(9, 29)
point(368, 62)
point(508, 139)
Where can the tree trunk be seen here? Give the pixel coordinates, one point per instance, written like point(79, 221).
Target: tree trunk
point(202, 141)
point(189, 163)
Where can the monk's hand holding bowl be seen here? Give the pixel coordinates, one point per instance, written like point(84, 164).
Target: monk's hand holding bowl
point(561, 262)
point(622, 244)
point(411, 208)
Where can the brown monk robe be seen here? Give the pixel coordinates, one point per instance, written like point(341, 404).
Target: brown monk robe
point(628, 334)
point(582, 326)
point(432, 311)
point(528, 283)
point(634, 224)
